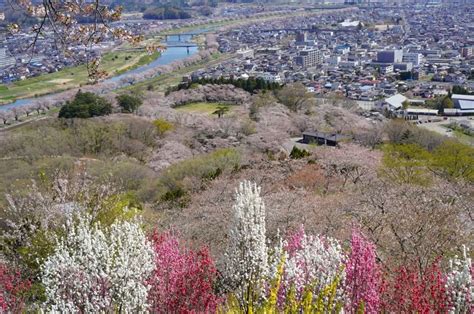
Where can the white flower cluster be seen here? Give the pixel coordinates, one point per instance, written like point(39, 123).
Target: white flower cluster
point(246, 258)
point(460, 285)
point(97, 269)
point(317, 264)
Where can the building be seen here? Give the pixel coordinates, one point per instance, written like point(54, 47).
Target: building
point(393, 103)
point(467, 52)
point(334, 60)
point(301, 38)
point(309, 58)
point(343, 49)
point(463, 105)
point(404, 67)
point(386, 69)
point(413, 58)
point(320, 138)
point(390, 56)
point(245, 53)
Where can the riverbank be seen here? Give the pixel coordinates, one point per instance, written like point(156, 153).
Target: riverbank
point(116, 63)
point(162, 82)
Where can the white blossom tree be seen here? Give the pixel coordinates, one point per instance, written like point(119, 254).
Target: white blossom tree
point(460, 284)
point(96, 269)
point(246, 258)
point(312, 261)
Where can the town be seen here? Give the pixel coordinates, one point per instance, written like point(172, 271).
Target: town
point(367, 55)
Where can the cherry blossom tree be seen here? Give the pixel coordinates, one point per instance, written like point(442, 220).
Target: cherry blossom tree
point(5, 116)
point(183, 279)
point(97, 269)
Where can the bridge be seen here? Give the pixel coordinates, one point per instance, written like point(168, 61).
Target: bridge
point(179, 35)
point(186, 45)
point(310, 30)
point(179, 44)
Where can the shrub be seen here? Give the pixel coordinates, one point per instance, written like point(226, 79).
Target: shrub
point(413, 291)
point(403, 132)
point(162, 126)
point(363, 276)
point(297, 153)
point(190, 174)
point(454, 160)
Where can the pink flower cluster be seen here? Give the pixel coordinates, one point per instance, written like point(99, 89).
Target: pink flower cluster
point(183, 279)
point(12, 288)
point(363, 276)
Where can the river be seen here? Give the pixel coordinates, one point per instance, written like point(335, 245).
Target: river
point(168, 56)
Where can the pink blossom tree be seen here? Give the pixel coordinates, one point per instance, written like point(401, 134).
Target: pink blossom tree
point(363, 276)
point(183, 279)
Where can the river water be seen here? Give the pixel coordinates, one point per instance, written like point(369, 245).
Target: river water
point(168, 56)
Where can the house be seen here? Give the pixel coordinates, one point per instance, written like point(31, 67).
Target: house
point(320, 138)
point(393, 103)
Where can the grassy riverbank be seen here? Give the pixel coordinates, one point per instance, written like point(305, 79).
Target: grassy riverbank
point(115, 63)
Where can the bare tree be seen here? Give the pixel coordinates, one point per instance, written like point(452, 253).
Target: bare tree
point(62, 18)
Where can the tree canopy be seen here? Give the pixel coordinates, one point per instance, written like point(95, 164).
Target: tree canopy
point(129, 103)
point(85, 105)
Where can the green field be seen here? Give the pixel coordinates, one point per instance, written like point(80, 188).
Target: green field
point(204, 108)
point(115, 63)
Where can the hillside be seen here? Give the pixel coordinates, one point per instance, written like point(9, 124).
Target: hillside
point(176, 163)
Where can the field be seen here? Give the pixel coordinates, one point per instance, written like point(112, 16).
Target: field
point(115, 63)
point(204, 108)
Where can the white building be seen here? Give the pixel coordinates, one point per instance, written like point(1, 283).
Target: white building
point(245, 53)
point(393, 103)
point(413, 58)
point(463, 104)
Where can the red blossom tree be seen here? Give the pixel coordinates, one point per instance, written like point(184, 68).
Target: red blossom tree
point(183, 278)
point(12, 288)
point(412, 292)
